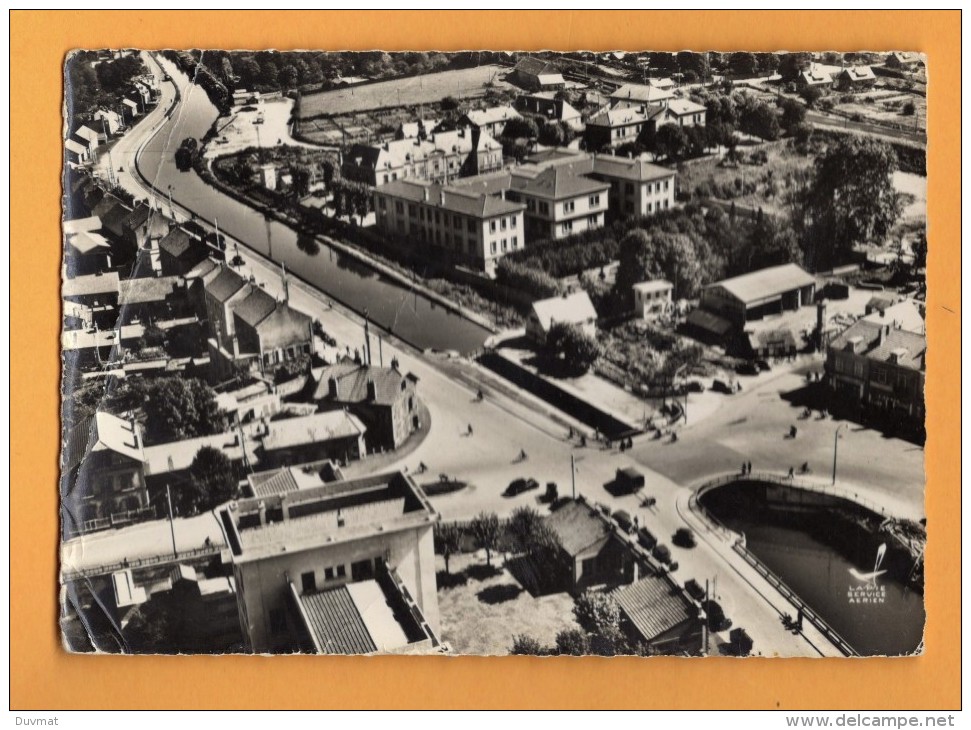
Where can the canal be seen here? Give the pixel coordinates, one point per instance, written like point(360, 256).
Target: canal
point(883, 619)
point(402, 312)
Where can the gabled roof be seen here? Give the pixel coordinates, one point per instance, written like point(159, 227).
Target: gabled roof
point(766, 283)
point(644, 93)
point(903, 315)
point(903, 348)
point(147, 289)
point(469, 196)
point(683, 107)
point(86, 133)
point(102, 432)
point(255, 306)
point(312, 429)
point(91, 284)
point(81, 225)
point(653, 605)
point(573, 308)
point(905, 57)
point(352, 383)
point(87, 242)
point(622, 116)
point(559, 182)
point(114, 217)
point(816, 75)
point(106, 205)
point(205, 269)
point(637, 168)
point(578, 527)
point(410, 130)
point(176, 242)
point(481, 117)
point(226, 283)
point(138, 216)
point(75, 147)
point(536, 66)
point(859, 73)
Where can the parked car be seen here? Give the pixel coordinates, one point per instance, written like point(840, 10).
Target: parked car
point(662, 553)
point(518, 486)
point(646, 539)
point(684, 537)
point(629, 480)
point(747, 368)
point(623, 519)
point(721, 386)
point(695, 386)
point(763, 365)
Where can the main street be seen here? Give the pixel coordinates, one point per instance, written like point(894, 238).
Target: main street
point(747, 426)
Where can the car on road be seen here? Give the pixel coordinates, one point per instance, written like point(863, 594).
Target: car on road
point(624, 521)
point(747, 368)
point(646, 539)
point(763, 365)
point(628, 480)
point(720, 386)
point(695, 386)
point(518, 486)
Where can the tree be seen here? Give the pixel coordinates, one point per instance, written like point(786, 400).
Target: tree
point(811, 95)
point(792, 64)
point(212, 481)
point(449, 103)
point(793, 114)
point(660, 255)
point(249, 73)
point(180, 408)
point(551, 133)
point(572, 642)
point(743, 64)
point(850, 201)
point(599, 615)
point(761, 120)
point(524, 127)
point(717, 620)
point(919, 249)
point(801, 135)
point(487, 531)
point(670, 142)
point(449, 541)
point(328, 173)
point(300, 175)
point(524, 524)
point(909, 109)
point(569, 343)
point(524, 645)
point(695, 63)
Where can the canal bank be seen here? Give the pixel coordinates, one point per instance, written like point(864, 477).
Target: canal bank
point(852, 572)
point(408, 314)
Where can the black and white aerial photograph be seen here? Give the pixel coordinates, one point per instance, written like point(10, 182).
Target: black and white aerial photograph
point(493, 352)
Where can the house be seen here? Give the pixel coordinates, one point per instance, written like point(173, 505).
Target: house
point(441, 157)
point(903, 315)
point(878, 370)
point(655, 612)
point(685, 113)
point(545, 106)
point(384, 399)
point(179, 252)
point(147, 299)
point(86, 250)
point(130, 110)
point(573, 308)
point(343, 568)
point(590, 553)
point(906, 61)
point(759, 294)
point(88, 137)
point(623, 124)
point(416, 130)
point(491, 121)
point(637, 187)
point(250, 330)
point(815, 77)
point(640, 95)
point(93, 290)
point(855, 77)
point(110, 121)
point(474, 223)
point(102, 475)
point(144, 226)
point(560, 199)
point(652, 299)
point(535, 74)
point(242, 97)
point(766, 344)
point(326, 435)
point(76, 153)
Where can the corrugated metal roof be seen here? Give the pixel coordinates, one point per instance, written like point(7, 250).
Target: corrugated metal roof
point(653, 605)
point(335, 623)
point(766, 283)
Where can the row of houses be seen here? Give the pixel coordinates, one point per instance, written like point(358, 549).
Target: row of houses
point(80, 147)
point(819, 76)
point(555, 194)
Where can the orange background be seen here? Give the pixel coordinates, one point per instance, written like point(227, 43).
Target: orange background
point(42, 676)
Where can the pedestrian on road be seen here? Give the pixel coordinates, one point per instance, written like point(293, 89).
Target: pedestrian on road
point(743, 468)
point(792, 472)
point(750, 467)
point(470, 429)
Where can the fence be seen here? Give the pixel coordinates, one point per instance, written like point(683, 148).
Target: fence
point(71, 575)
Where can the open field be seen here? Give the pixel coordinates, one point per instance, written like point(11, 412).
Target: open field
point(425, 89)
point(884, 107)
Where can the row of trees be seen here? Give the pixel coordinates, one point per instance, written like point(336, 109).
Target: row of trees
point(89, 86)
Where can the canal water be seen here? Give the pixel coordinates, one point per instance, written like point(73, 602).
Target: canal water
point(406, 314)
point(882, 619)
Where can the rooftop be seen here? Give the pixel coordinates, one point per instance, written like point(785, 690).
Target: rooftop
point(176, 242)
point(317, 427)
point(351, 381)
point(102, 432)
point(578, 527)
point(460, 197)
point(291, 478)
point(147, 289)
point(310, 518)
point(654, 605)
point(641, 92)
point(254, 307)
point(481, 117)
point(573, 308)
point(903, 315)
point(225, 284)
point(622, 116)
point(653, 286)
point(682, 107)
point(637, 168)
point(766, 283)
point(91, 284)
point(558, 181)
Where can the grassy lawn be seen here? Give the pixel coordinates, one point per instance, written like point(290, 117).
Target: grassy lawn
point(753, 185)
point(482, 610)
point(425, 89)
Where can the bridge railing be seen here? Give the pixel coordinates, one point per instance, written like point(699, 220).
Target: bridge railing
point(68, 575)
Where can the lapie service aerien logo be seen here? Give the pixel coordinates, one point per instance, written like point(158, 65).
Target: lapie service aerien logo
point(867, 589)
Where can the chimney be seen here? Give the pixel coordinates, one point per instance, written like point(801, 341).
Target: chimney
point(372, 391)
point(332, 387)
point(441, 197)
point(424, 194)
point(630, 154)
point(262, 513)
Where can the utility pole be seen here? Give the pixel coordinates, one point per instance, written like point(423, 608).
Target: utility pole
point(168, 495)
point(836, 437)
point(573, 474)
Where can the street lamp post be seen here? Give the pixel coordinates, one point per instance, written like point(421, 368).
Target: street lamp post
point(836, 437)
